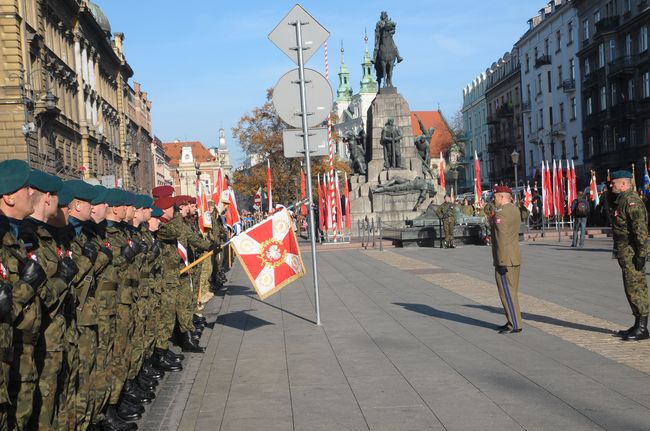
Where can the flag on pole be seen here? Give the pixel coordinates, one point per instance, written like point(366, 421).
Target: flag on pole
point(348, 222)
point(269, 188)
point(205, 218)
point(217, 189)
point(257, 199)
point(321, 218)
point(269, 254)
point(339, 212)
point(575, 180)
point(593, 189)
point(569, 189)
point(528, 199)
point(303, 191)
point(646, 178)
point(328, 205)
point(232, 213)
point(442, 174)
point(560, 190)
point(478, 189)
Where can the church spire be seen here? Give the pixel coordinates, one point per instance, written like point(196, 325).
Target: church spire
point(344, 92)
point(368, 81)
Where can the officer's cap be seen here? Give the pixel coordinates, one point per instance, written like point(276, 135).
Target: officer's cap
point(15, 176)
point(162, 191)
point(102, 193)
point(156, 212)
point(164, 203)
point(44, 182)
point(621, 174)
point(81, 190)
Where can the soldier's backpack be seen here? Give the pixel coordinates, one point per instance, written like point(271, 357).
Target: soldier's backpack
point(582, 208)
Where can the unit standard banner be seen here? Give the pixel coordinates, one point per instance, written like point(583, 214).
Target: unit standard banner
point(270, 254)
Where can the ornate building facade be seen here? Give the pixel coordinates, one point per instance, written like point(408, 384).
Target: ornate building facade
point(64, 91)
point(474, 112)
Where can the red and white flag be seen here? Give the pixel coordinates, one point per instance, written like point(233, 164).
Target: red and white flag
point(528, 199)
point(270, 254)
point(269, 189)
point(217, 189)
point(478, 189)
point(303, 191)
point(232, 213)
point(346, 191)
point(205, 218)
point(321, 209)
point(182, 252)
point(339, 213)
point(257, 200)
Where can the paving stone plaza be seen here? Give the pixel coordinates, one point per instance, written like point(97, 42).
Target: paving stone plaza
point(407, 343)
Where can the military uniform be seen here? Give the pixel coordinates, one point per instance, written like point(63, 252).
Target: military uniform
point(630, 231)
point(447, 213)
point(505, 224)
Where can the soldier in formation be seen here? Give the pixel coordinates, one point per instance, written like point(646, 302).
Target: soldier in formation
point(91, 292)
point(447, 214)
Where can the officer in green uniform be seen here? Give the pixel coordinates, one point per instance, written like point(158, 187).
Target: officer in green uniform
point(26, 277)
point(44, 244)
point(630, 231)
point(447, 214)
point(506, 257)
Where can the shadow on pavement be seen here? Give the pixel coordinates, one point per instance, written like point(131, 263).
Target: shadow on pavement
point(546, 319)
point(569, 248)
point(454, 317)
point(282, 309)
point(242, 320)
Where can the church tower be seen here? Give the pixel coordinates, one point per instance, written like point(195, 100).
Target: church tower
point(368, 80)
point(344, 92)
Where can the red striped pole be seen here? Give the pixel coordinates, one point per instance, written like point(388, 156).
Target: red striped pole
point(332, 192)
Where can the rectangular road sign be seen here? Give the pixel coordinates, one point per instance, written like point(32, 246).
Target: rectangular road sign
point(294, 147)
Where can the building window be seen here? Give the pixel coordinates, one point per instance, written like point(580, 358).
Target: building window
point(628, 5)
point(572, 69)
point(546, 46)
point(630, 89)
point(613, 95)
point(590, 107)
point(559, 75)
point(558, 41)
point(536, 53)
point(597, 16)
point(528, 93)
point(562, 112)
point(574, 109)
point(628, 45)
point(603, 98)
point(575, 146)
point(539, 83)
point(563, 145)
point(540, 126)
point(604, 141)
point(646, 85)
point(569, 33)
point(587, 67)
point(550, 116)
point(632, 136)
point(527, 63)
point(601, 55)
point(585, 29)
point(548, 78)
point(612, 50)
point(643, 39)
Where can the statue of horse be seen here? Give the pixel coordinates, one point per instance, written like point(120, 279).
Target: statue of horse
point(386, 52)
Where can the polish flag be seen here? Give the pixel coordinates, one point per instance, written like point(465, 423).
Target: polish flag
point(348, 222)
point(478, 189)
point(269, 189)
point(205, 218)
point(321, 216)
point(339, 213)
point(442, 173)
point(528, 199)
point(182, 252)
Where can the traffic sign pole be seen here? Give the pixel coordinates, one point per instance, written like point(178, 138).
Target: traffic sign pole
point(305, 140)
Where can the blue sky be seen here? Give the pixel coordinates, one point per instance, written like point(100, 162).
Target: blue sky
point(207, 62)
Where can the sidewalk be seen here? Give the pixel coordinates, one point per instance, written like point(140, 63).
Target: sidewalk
point(406, 343)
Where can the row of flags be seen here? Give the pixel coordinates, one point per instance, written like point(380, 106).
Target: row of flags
point(331, 211)
point(556, 192)
point(220, 191)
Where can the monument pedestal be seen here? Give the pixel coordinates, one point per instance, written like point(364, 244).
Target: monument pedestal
point(392, 208)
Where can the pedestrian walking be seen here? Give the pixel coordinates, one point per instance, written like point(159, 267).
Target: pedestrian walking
point(580, 209)
point(630, 230)
point(506, 256)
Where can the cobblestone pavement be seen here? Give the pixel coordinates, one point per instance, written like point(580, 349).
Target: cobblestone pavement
point(407, 343)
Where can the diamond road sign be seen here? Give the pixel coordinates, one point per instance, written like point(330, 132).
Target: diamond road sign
point(286, 98)
point(294, 147)
point(313, 34)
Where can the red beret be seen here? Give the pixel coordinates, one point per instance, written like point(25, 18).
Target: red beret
point(165, 202)
point(162, 191)
point(192, 200)
point(502, 189)
point(182, 200)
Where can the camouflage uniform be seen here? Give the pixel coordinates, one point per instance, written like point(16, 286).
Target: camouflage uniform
point(186, 300)
point(169, 233)
point(630, 230)
point(153, 281)
point(447, 213)
point(27, 324)
point(39, 240)
point(140, 307)
point(106, 301)
point(6, 338)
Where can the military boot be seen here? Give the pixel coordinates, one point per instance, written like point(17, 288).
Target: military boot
point(640, 332)
point(624, 332)
point(188, 344)
point(199, 319)
point(174, 356)
point(113, 422)
point(131, 394)
point(160, 361)
point(151, 372)
point(145, 382)
point(129, 412)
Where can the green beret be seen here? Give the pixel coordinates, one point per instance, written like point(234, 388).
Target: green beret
point(156, 212)
point(621, 174)
point(65, 197)
point(143, 201)
point(129, 198)
point(81, 190)
point(44, 182)
point(114, 197)
point(15, 176)
point(101, 195)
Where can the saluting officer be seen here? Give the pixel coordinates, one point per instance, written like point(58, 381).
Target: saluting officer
point(505, 224)
point(630, 230)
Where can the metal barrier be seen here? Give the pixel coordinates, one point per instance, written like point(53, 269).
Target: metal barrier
point(369, 231)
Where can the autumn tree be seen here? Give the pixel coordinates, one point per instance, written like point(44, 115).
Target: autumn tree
point(259, 133)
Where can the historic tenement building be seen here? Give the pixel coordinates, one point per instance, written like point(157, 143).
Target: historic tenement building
point(474, 112)
point(615, 74)
point(503, 100)
point(64, 93)
point(551, 88)
point(138, 139)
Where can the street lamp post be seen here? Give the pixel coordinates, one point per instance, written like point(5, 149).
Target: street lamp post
point(454, 174)
point(515, 162)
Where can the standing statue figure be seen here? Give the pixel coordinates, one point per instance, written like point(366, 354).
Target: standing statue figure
point(391, 138)
point(423, 147)
point(357, 151)
point(386, 52)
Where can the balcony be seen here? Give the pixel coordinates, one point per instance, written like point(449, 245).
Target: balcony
point(569, 85)
point(593, 79)
point(525, 106)
point(533, 137)
point(558, 129)
point(505, 111)
point(542, 61)
point(492, 119)
point(624, 111)
point(623, 67)
point(607, 24)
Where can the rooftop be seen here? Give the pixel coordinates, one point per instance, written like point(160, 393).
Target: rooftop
point(442, 139)
point(199, 152)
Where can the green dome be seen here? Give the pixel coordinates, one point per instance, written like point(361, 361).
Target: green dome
point(101, 19)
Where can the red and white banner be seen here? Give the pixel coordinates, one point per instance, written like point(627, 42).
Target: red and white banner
point(257, 200)
point(182, 252)
point(346, 191)
point(270, 254)
point(442, 174)
point(478, 189)
point(232, 213)
point(205, 218)
point(528, 199)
